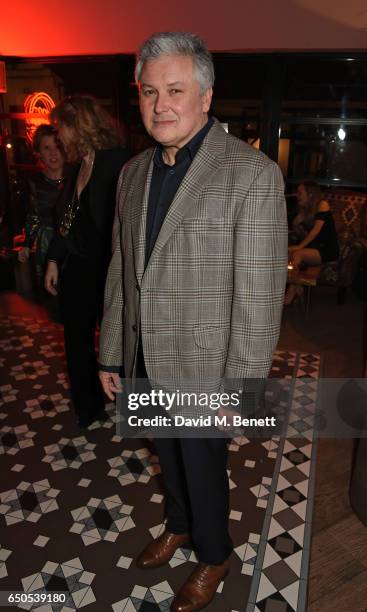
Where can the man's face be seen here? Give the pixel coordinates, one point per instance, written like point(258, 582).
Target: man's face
point(171, 104)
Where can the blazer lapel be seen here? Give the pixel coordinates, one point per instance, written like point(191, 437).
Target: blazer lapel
point(139, 212)
point(204, 165)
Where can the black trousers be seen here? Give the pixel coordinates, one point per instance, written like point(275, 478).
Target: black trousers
point(195, 476)
point(81, 302)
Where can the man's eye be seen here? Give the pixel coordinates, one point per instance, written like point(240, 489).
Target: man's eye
point(148, 92)
point(174, 91)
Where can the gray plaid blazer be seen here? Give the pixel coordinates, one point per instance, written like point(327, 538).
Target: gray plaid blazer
point(209, 303)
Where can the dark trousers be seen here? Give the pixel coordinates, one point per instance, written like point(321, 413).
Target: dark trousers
point(81, 301)
point(195, 476)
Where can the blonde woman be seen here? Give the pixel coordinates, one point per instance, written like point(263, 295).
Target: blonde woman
point(79, 254)
point(315, 223)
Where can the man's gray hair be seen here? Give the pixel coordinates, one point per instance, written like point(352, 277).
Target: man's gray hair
point(178, 43)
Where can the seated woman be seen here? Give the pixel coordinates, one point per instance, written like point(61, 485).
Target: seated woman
point(320, 243)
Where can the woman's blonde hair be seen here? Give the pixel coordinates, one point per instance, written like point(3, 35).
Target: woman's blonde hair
point(94, 128)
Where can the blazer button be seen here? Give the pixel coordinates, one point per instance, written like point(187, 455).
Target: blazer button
point(134, 328)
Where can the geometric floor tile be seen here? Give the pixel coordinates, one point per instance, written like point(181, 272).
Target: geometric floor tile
point(68, 577)
point(4, 554)
point(271, 446)
point(7, 394)
point(274, 603)
point(102, 519)
point(41, 541)
point(15, 343)
point(288, 519)
point(156, 597)
point(13, 439)
point(69, 453)
point(284, 545)
point(84, 482)
point(280, 575)
point(17, 467)
point(276, 588)
point(157, 530)
point(236, 443)
point(291, 496)
point(183, 555)
point(108, 422)
point(61, 379)
point(124, 562)
point(234, 515)
point(46, 406)
point(53, 349)
point(28, 502)
point(133, 466)
point(232, 484)
point(81, 517)
point(156, 499)
point(29, 370)
point(261, 491)
point(296, 457)
point(248, 553)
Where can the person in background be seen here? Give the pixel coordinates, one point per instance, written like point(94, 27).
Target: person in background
point(44, 192)
point(315, 228)
point(79, 255)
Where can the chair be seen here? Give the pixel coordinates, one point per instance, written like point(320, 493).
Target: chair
point(350, 216)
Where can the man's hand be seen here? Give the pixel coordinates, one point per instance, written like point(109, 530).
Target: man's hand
point(51, 277)
point(294, 248)
point(23, 254)
point(111, 383)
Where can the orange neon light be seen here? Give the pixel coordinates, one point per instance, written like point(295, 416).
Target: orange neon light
point(38, 103)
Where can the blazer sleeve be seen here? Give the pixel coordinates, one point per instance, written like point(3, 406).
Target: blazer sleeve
point(111, 337)
point(260, 272)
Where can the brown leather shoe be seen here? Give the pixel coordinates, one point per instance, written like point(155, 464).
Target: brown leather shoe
point(200, 587)
point(161, 550)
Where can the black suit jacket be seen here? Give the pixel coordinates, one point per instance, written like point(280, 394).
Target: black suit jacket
point(101, 201)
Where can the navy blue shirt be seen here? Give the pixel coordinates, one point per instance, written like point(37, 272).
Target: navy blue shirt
point(165, 182)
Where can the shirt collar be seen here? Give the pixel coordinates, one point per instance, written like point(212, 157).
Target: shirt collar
point(189, 149)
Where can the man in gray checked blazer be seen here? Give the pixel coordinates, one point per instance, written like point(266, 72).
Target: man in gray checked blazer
point(196, 284)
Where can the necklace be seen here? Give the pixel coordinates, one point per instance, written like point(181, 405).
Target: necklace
point(53, 181)
point(69, 215)
point(73, 206)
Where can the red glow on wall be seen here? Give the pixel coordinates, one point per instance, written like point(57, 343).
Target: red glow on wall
point(92, 27)
point(38, 103)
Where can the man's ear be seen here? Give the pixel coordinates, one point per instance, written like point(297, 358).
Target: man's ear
point(207, 99)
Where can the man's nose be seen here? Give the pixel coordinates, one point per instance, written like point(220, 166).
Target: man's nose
point(161, 103)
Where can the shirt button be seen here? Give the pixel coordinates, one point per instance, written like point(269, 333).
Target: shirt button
point(171, 171)
point(134, 328)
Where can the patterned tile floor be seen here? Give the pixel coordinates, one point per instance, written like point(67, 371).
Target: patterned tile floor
point(76, 508)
